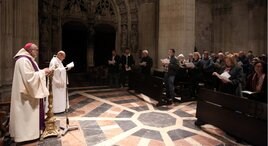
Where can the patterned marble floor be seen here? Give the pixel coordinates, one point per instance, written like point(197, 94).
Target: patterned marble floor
point(117, 117)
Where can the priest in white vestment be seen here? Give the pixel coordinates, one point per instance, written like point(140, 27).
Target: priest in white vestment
point(28, 88)
point(59, 83)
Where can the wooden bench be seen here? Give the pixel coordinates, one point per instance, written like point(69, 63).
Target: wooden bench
point(154, 87)
point(239, 117)
point(151, 86)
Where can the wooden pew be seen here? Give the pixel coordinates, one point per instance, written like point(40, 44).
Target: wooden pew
point(242, 118)
point(151, 86)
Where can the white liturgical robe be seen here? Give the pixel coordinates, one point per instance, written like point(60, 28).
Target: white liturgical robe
point(59, 85)
point(28, 87)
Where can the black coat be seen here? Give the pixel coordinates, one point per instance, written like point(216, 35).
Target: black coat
point(262, 95)
point(237, 79)
point(173, 66)
point(129, 60)
point(146, 70)
point(114, 68)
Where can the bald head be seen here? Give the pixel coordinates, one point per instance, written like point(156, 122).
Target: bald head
point(145, 53)
point(61, 55)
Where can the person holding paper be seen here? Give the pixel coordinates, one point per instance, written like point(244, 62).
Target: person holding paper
point(59, 82)
point(230, 77)
point(169, 77)
point(195, 73)
point(257, 81)
point(128, 62)
point(113, 69)
point(28, 91)
point(146, 64)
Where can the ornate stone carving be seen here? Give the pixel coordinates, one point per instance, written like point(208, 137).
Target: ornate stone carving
point(134, 38)
point(124, 19)
point(105, 10)
point(75, 6)
point(132, 4)
point(124, 36)
point(134, 16)
point(55, 13)
point(122, 8)
point(222, 7)
point(140, 2)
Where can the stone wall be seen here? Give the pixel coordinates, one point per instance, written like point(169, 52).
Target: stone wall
point(176, 27)
point(203, 25)
point(231, 25)
point(19, 24)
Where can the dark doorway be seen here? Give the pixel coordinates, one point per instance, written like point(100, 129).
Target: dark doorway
point(74, 43)
point(104, 43)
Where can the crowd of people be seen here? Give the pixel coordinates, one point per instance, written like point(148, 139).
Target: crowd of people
point(226, 72)
point(120, 67)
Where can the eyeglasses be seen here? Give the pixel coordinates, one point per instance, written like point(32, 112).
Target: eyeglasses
point(35, 50)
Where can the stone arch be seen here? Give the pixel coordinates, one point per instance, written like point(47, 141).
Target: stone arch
point(121, 14)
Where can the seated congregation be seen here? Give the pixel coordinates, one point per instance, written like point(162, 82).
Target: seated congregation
point(232, 73)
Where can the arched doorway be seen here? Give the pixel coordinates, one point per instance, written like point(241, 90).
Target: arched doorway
point(74, 43)
point(104, 43)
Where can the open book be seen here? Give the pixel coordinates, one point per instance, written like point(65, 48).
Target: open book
point(70, 65)
point(165, 61)
point(111, 62)
point(189, 65)
point(248, 92)
point(225, 75)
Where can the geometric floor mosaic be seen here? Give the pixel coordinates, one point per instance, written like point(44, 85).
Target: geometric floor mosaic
point(117, 117)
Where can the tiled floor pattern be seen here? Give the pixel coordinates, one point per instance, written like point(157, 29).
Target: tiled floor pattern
point(118, 117)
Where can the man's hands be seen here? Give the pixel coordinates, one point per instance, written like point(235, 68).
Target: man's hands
point(47, 71)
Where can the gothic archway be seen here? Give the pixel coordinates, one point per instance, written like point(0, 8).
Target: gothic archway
point(104, 43)
point(121, 14)
point(74, 43)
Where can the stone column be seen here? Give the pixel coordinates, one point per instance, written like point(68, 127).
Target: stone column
point(147, 29)
point(1, 42)
point(19, 24)
point(26, 23)
point(7, 39)
point(176, 27)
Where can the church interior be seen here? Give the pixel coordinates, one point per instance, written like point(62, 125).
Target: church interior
point(105, 114)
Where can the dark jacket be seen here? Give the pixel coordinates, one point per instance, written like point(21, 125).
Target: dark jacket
point(260, 96)
point(196, 74)
point(146, 70)
point(173, 66)
point(114, 68)
point(236, 77)
point(207, 66)
point(129, 60)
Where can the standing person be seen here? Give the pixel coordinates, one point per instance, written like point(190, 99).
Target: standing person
point(146, 64)
point(113, 69)
point(169, 77)
point(28, 91)
point(59, 83)
point(128, 62)
point(231, 76)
